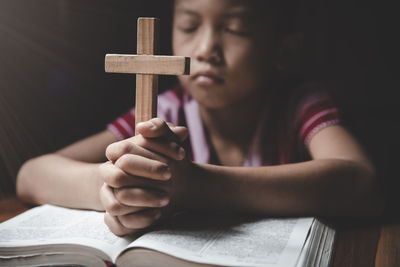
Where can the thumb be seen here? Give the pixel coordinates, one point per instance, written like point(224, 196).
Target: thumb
point(156, 128)
point(180, 131)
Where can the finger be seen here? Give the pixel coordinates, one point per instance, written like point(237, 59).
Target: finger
point(115, 226)
point(162, 146)
point(112, 205)
point(140, 220)
point(140, 197)
point(151, 148)
point(114, 176)
point(117, 178)
point(181, 132)
point(144, 167)
point(134, 145)
point(156, 127)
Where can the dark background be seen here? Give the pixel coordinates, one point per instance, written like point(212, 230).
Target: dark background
point(53, 88)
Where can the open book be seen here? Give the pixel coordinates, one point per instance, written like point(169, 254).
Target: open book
point(49, 235)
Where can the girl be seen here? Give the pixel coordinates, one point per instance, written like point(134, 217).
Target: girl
point(245, 144)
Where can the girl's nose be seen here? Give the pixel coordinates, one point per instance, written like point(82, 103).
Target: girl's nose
point(209, 49)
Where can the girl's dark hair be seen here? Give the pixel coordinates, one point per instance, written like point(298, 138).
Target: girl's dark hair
point(278, 16)
point(277, 25)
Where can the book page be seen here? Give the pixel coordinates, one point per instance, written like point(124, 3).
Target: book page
point(261, 242)
point(321, 241)
point(47, 224)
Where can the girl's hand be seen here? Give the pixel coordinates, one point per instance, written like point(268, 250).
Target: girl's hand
point(177, 187)
point(131, 209)
point(138, 174)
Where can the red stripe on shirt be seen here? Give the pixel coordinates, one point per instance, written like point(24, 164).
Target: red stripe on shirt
point(330, 117)
point(311, 110)
point(129, 119)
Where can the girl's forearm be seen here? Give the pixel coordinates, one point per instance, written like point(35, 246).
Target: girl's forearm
point(318, 187)
point(58, 180)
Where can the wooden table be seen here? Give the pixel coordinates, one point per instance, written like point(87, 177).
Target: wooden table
point(359, 244)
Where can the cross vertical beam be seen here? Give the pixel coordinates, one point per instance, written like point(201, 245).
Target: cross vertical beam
point(146, 84)
point(147, 67)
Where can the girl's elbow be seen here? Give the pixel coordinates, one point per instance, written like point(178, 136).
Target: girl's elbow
point(370, 197)
point(357, 191)
point(23, 189)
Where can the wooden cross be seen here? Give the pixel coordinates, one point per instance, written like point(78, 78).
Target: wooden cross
point(147, 67)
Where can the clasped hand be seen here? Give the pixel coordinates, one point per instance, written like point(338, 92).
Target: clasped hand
point(144, 178)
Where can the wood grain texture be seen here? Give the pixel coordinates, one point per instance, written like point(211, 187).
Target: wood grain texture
point(11, 207)
point(356, 245)
point(147, 64)
point(146, 84)
point(146, 97)
point(388, 252)
point(147, 36)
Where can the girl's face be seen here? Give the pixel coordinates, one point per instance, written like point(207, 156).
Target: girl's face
point(226, 52)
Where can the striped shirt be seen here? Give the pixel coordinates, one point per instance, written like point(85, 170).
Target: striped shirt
point(295, 122)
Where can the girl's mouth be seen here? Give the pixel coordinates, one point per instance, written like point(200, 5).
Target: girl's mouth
point(206, 78)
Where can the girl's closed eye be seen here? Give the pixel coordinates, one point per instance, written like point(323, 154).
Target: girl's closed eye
point(187, 22)
point(235, 31)
point(237, 26)
point(188, 28)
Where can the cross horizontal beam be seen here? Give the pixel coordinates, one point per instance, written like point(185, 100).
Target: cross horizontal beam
point(147, 64)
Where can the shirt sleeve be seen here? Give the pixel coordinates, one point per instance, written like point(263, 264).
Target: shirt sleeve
point(169, 108)
point(315, 112)
point(124, 126)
